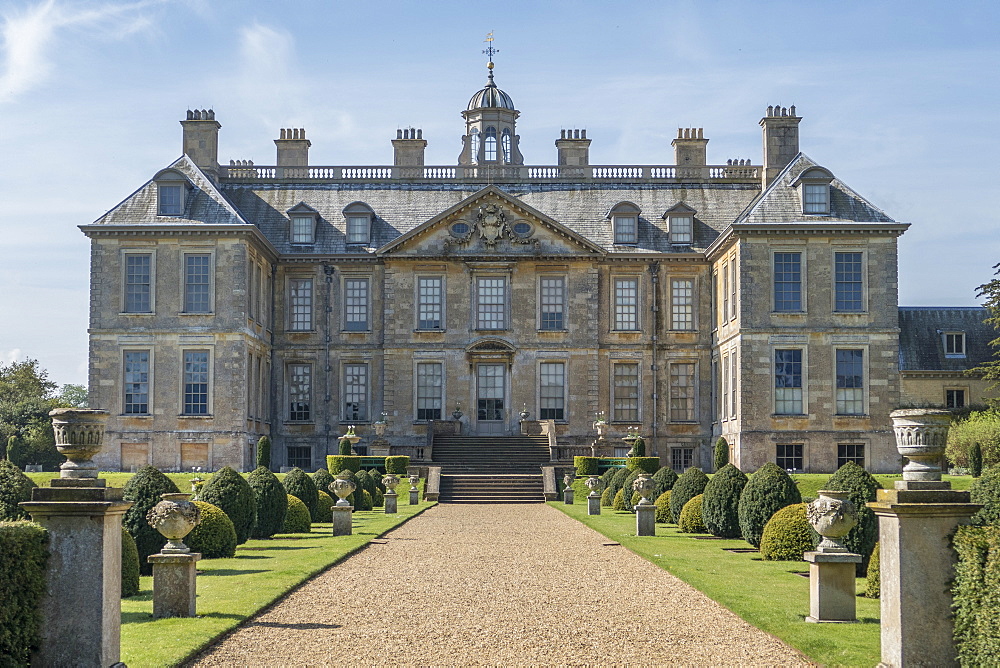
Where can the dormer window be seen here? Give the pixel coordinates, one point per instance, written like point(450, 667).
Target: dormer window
point(624, 218)
point(302, 224)
point(814, 189)
point(954, 344)
point(358, 229)
point(171, 188)
point(680, 223)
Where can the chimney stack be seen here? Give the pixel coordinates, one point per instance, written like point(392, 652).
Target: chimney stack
point(573, 148)
point(781, 140)
point(293, 150)
point(690, 149)
point(408, 148)
point(201, 140)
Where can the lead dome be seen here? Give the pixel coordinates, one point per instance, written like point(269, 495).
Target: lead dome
point(491, 97)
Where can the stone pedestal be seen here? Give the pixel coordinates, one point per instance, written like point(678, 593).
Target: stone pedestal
point(593, 505)
point(342, 520)
point(81, 613)
point(414, 497)
point(645, 519)
point(568, 496)
point(832, 589)
point(917, 565)
point(390, 503)
point(174, 584)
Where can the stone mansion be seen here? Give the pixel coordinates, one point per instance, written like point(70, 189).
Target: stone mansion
point(752, 301)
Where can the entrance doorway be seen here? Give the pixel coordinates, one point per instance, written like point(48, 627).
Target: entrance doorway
point(491, 388)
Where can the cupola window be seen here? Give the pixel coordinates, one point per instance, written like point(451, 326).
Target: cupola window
point(680, 223)
point(505, 145)
point(814, 190)
point(302, 224)
point(171, 188)
point(625, 223)
point(490, 144)
point(359, 217)
point(474, 144)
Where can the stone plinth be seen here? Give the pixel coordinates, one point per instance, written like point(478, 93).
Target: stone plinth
point(414, 497)
point(174, 584)
point(832, 589)
point(593, 505)
point(917, 565)
point(645, 519)
point(342, 520)
point(390, 503)
point(81, 612)
point(568, 494)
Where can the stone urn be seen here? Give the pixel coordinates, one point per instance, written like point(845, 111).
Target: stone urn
point(594, 483)
point(457, 413)
point(196, 484)
point(343, 488)
point(391, 482)
point(833, 516)
point(921, 437)
point(381, 424)
point(645, 486)
point(568, 480)
point(601, 428)
point(79, 435)
point(174, 517)
point(414, 479)
point(524, 413)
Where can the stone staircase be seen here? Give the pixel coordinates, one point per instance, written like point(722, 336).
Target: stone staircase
point(491, 469)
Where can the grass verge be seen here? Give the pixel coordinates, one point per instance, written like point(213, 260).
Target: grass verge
point(767, 594)
point(232, 590)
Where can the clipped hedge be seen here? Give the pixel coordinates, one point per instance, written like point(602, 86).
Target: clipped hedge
point(228, 490)
point(787, 535)
point(397, 464)
point(721, 453)
point(861, 488)
point(14, 488)
point(322, 479)
point(144, 490)
point(300, 485)
point(215, 535)
point(662, 503)
point(720, 507)
point(873, 579)
point(24, 553)
point(269, 497)
point(647, 464)
point(324, 507)
point(337, 463)
point(639, 447)
point(264, 452)
point(690, 484)
point(130, 565)
point(974, 590)
point(691, 520)
point(666, 478)
point(767, 491)
point(297, 520)
point(986, 490)
point(587, 465)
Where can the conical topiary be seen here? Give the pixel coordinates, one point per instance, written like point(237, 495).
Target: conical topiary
point(14, 488)
point(767, 491)
point(873, 579)
point(377, 478)
point(617, 481)
point(666, 478)
point(230, 492)
point(975, 459)
point(130, 565)
point(271, 503)
point(264, 452)
point(861, 487)
point(322, 479)
point(300, 485)
point(720, 507)
point(144, 490)
point(662, 503)
point(721, 453)
point(297, 520)
point(324, 507)
point(364, 482)
point(690, 484)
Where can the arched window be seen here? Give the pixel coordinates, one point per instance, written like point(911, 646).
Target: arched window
point(474, 144)
point(505, 145)
point(490, 144)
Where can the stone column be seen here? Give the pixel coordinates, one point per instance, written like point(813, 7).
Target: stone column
point(342, 520)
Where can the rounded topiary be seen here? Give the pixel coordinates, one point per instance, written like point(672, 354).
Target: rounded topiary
point(130, 565)
point(636, 497)
point(324, 507)
point(364, 482)
point(618, 480)
point(666, 478)
point(873, 579)
point(787, 535)
point(628, 491)
point(861, 488)
point(264, 452)
point(639, 448)
point(228, 490)
point(690, 484)
point(986, 490)
point(14, 488)
point(720, 507)
point(606, 498)
point(269, 502)
point(344, 447)
point(322, 479)
point(397, 464)
point(215, 535)
point(369, 502)
point(662, 503)
point(691, 520)
point(337, 463)
point(297, 520)
point(767, 491)
point(144, 490)
point(619, 502)
point(721, 453)
point(976, 459)
point(297, 483)
point(376, 477)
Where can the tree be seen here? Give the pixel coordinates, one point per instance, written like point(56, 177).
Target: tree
point(73, 396)
point(990, 292)
point(26, 397)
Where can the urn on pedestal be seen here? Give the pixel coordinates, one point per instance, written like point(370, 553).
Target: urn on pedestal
point(79, 436)
point(174, 517)
point(921, 437)
point(343, 488)
point(594, 484)
point(833, 516)
point(645, 486)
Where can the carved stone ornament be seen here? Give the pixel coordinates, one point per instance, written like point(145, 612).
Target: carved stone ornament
point(568, 480)
point(645, 486)
point(832, 515)
point(921, 437)
point(414, 479)
point(343, 488)
point(594, 484)
point(391, 482)
point(491, 226)
point(174, 517)
point(79, 436)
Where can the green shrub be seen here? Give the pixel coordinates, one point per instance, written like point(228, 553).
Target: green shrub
point(627, 490)
point(376, 476)
point(14, 488)
point(397, 465)
point(269, 501)
point(767, 491)
point(337, 463)
point(607, 476)
point(619, 502)
point(144, 490)
point(691, 520)
point(24, 554)
point(639, 448)
point(666, 478)
point(690, 484)
point(873, 579)
point(787, 535)
point(368, 500)
point(264, 452)
point(861, 488)
point(297, 520)
point(617, 481)
point(228, 490)
point(662, 503)
point(974, 591)
point(636, 498)
point(982, 427)
point(378, 500)
point(976, 459)
point(364, 482)
point(586, 465)
point(17, 451)
point(721, 453)
point(298, 484)
point(986, 490)
point(130, 565)
point(720, 507)
point(215, 535)
point(344, 449)
point(324, 507)
point(606, 498)
point(322, 479)
point(647, 464)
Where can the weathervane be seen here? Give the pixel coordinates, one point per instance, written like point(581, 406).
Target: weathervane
point(489, 50)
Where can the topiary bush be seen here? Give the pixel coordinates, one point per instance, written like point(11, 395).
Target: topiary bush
point(298, 484)
point(767, 491)
point(228, 490)
point(348, 475)
point(787, 535)
point(337, 463)
point(974, 591)
point(368, 500)
point(647, 464)
point(606, 498)
point(666, 478)
point(720, 507)
point(130, 565)
point(639, 448)
point(144, 490)
point(397, 464)
point(264, 452)
point(24, 554)
point(324, 507)
point(721, 453)
point(691, 519)
point(297, 520)
point(690, 484)
point(976, 459)
point(619, 502)
point(215, 535)
point(627, 490)
point(986, 490)
point(344, 447)
point(861, 488)
point(269, 501)
point(662, 503)
point(14, 488)
point(586, 465)
point(873, 579)
point(364, 482)
point(376, 477)
point(617, 481)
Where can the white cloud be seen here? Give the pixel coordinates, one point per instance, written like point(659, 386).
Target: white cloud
point(12, 355)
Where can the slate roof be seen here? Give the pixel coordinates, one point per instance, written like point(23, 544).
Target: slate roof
point(921, 346)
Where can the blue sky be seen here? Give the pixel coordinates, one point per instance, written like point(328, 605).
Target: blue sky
point(899, 99)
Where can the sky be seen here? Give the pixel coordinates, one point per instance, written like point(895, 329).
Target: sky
point(898, 99)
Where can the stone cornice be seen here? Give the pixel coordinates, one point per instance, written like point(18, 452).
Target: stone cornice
point(803, 228)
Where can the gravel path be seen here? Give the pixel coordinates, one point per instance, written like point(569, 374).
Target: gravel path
point(497, 585)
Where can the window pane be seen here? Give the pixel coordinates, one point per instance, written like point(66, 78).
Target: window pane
point(505, 144)
point(300, 295)
point(196, 382)
point(474, 144)
point(954, 398)
point(850, 382)
point(626, 230)
point(491, 295)
point(787, 281)
point(430, 387)
point(299, 392)
point(490, 144)
point(196, 284)
point(552, 391)
point(682, 304)
point(816, 197)
point(553, 300)
point(789, 456)
point(626, 304)
point(681, 229)
point(626, 393)
point(788, 382)
point(848, 282)
point(137, 283)
point(850, 452)
point(954, 344)
point(725, 292)
point(170, 200)
point(682, 393)
point(357, 229)
point(490, 391)
point(356, 304)
point(681, 459)
point(355, 392)
point(302, 229)
point(136, 381)
point(300, 456)
point(429, 297)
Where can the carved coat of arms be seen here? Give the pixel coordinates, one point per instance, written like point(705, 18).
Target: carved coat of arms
point(491, 223)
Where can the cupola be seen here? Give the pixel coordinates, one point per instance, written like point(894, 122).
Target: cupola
point(490, 134)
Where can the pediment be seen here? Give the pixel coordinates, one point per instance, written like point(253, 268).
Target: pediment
point(491, 223)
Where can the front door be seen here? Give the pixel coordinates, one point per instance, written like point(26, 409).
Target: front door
point(491, 388)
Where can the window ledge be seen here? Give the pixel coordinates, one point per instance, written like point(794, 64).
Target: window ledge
point(131, 416)
point(794, 313)
point(852, 415)
point(433, 330)
point(355, 331)
point(552, 331)
point(299, 422)
point(354, 422)
point(300, 331)
point(789, 415)
point(194, 417)
point(141, 313)
point(487, 331)
point(850, 312)
point(196, 313)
